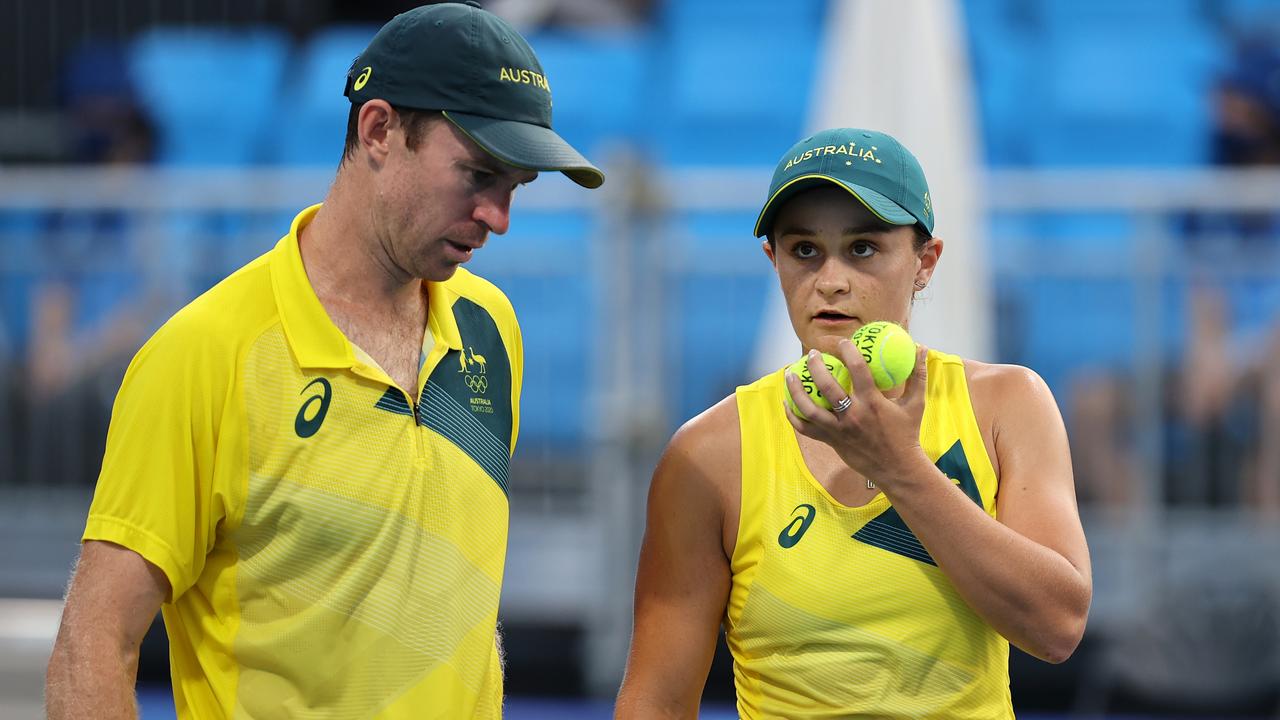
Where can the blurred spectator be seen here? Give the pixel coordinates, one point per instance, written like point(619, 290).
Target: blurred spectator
point(1221, 396)
point(1262, 479)
point(1246, 134)
point(86, 311)
point(591, 14)
point(1209, 435)
point(523, 14)
point(1248, 108)
point(1197, 645)
point(106, 122)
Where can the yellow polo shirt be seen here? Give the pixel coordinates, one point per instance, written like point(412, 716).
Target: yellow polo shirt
point(335, 545)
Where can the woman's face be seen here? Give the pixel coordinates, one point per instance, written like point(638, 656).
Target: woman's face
point(841, 267)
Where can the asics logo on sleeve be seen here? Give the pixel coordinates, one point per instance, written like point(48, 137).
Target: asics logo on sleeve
point(792, 533)
point(308, 426)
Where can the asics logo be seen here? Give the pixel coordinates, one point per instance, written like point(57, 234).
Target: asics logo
point(308, 426)
point(795, 529)
point(362, 79)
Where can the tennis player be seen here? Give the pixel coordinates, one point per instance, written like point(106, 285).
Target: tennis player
point(877, 559)
point(307, 466)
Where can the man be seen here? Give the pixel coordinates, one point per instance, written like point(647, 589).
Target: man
point(306, 467)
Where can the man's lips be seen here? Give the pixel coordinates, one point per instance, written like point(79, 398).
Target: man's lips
point(461, 251)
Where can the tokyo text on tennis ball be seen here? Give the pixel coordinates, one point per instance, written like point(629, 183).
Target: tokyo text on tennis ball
point(889, 351)
point(800, 369)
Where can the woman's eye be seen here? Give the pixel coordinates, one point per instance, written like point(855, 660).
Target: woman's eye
point(863, 249)
point(805, 250)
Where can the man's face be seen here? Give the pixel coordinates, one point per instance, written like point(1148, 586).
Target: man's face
point(840, 267)
point(439, 203)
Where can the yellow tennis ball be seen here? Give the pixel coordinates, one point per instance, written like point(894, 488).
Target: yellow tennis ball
point(800, 369)
point(889, 351)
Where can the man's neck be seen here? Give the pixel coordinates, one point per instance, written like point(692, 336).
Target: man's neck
point(347, 264)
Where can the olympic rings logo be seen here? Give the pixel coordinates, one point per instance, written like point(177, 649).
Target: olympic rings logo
point(477, 383)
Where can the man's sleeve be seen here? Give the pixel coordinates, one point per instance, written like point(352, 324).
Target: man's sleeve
point(157, 494)
point(516, 354)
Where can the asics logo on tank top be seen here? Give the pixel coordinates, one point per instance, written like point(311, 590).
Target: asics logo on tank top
point(795, 529)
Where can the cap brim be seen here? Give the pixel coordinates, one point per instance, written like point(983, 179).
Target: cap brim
point(879, 205)
point(531, 147)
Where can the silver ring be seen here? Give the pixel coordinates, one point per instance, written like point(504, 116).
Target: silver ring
point(842, 405)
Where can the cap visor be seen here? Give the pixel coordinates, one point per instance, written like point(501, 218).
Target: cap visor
point(879, 205)
point(531, 147)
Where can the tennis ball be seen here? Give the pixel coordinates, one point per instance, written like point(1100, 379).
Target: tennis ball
point(889, 351)
point(800, 369)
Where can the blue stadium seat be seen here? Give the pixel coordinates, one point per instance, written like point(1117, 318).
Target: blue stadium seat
point(1041, 314)
point(1124, 83)
point(1247, 16)
point(714, 325)
point(542, 266)
point(1055, 339)
point(215, 96)
point(96, 69)
point(1065, 82)
point(713, 315)
point(735, 79)
point(1002, 38)
point(313, 97)
point(213, 93)
point(1254, 304)
point(21, 237)
point(600, 82)
point(734, 88)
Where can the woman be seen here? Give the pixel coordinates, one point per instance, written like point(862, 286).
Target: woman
point(869, 561)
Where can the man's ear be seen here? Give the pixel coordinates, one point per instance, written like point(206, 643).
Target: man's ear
point(375, 121)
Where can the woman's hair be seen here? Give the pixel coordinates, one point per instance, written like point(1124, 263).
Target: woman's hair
point(922, 236)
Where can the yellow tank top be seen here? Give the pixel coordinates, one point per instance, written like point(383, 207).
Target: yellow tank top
point(839, 611)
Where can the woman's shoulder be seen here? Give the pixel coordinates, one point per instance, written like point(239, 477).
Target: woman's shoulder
point(711, 438)
point(999, 381)
point(699, 472)
point(1009, 398)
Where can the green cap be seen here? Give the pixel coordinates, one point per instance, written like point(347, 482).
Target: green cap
point(473, 66)
point(873, 166)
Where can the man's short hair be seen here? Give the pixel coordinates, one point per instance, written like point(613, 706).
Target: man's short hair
point(415, 127)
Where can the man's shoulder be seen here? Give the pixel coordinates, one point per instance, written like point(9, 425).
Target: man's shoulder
point(223, 319)
point(481, 292)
